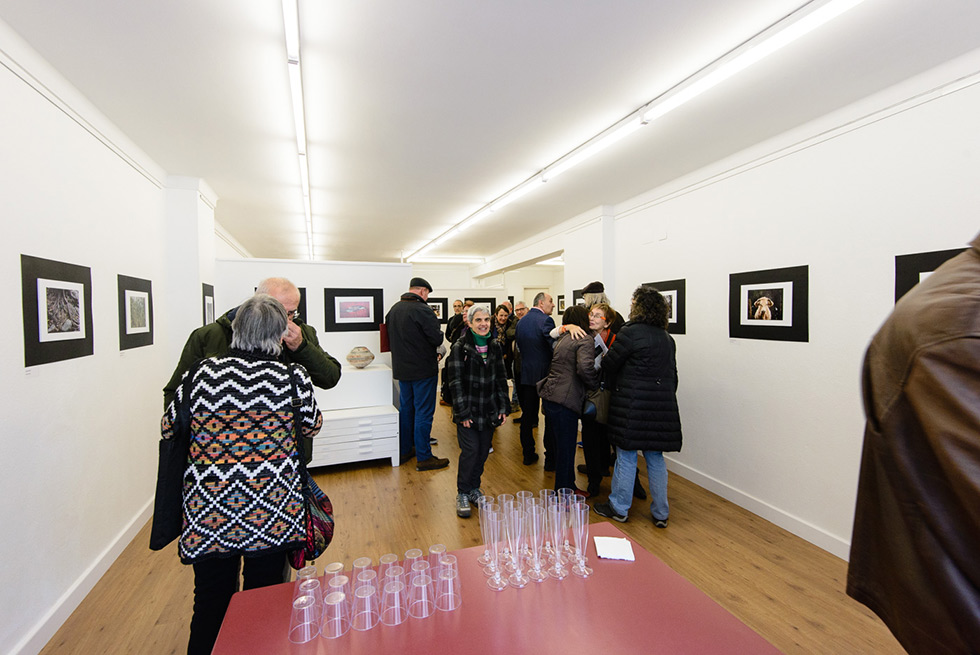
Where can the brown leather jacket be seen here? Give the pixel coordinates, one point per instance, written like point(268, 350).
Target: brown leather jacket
point(915, 550)
point(572, 373)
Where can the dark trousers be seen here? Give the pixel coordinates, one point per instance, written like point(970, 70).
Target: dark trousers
point(528, 397)
point(474, 446)
point(595, 446)
point(566, 434)
point(215, 580)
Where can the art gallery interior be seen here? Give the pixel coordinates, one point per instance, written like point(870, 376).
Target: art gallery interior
point(853, 146)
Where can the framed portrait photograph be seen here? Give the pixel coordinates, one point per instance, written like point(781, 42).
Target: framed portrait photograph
point(352, 310)
point(912, 269)
point(489, 304)
point(207, 303)
point(57, 306)
point(135, 312)
point(441, 308)
point(771, 304)
point(560, 304)
point(675, 294)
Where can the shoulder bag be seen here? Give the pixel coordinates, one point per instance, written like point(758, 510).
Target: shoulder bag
point(317, 508)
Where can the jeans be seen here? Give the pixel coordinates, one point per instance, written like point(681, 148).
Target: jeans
point(215, 580)
point(565, 423)
point(416, 405)
point(474, 447)
point(624, 476)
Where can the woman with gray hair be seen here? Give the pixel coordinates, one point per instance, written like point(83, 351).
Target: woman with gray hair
point(478, 386)
point(242, 491)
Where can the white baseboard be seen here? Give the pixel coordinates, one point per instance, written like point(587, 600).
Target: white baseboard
point(42, 632)
point(816, 536)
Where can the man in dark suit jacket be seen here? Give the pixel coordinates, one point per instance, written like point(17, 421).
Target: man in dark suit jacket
point(533, 336)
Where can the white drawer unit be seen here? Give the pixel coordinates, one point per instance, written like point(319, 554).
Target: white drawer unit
point(356, 435)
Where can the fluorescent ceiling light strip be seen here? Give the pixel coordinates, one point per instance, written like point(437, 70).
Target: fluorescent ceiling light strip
point(299, 116)
point(290, 17)
point(769, 42)
point(593, 147)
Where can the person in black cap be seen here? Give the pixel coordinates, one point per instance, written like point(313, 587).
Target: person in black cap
point(416, 348)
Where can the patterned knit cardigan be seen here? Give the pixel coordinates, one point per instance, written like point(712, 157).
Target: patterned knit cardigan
point(242, 488)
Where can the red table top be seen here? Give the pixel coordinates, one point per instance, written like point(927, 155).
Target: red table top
point(624, 607)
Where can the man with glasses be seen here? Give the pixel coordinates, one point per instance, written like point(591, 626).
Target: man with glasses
point(300, 343)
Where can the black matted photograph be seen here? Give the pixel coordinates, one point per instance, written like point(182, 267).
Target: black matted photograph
point(561, 304)
point(771, 304)
point(135, 312)
point(489, 304)
point(352, 310)
point(578, 297)
point(441, 308)
point(675, 294)
point(57, 306)
point(207, 303)
point(912, 269)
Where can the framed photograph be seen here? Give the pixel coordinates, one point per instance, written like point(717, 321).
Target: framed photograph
point(578, 297)
point(352, 310)
point(207, 301)
point(674, 292)
point(57, 306)
point(441, 307)
point(489, 304)
point(561, 304)
point(511, 299)
point(912, 269)
point(771, 304)
point(135, 312)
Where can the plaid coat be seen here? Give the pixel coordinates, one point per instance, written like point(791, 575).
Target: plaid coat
point(478, 388)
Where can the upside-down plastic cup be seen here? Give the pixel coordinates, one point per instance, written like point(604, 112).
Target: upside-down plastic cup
point(336, 615)
point(436, 553)
point(394, 603)
point(360, 565)
point(339, 583)
point(311, 587)
point(411, 556)
point(367, 608)
point(369, 577)
point(448, 595)
point(385, 562)
point(304, 621)
point(421, 599)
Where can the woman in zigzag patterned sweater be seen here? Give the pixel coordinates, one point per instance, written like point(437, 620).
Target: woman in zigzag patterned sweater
point(242, 486)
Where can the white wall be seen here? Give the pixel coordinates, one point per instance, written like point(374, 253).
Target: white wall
point(777, 427)
point(235, 280)
point(79, 436)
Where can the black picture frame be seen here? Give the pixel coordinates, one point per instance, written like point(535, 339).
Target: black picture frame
point(353, 310)
point(67, 289)
point(787, 291)
point(208, 314)
point(135, 312)
point(909, 268)
point(560, 304)
point(512, 304)
point(491, 302)
point(578, 297)
point(675, 291)
point(441, 307)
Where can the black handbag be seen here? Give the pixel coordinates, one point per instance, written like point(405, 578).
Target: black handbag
point(168, 502)
point(596, 404)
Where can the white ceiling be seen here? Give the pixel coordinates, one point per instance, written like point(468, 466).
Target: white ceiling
point(419, 112)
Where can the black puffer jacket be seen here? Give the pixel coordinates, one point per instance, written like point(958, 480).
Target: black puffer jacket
point(641, 370)
point(414, 335)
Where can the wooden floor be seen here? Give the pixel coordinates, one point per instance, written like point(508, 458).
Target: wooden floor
point(790, 592)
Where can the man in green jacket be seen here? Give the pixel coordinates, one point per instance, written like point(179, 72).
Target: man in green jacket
point(300, 343)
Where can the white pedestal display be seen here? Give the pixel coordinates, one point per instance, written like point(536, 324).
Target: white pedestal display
point(359, 421)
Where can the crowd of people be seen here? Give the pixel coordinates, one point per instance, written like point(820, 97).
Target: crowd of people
point(247, 382)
